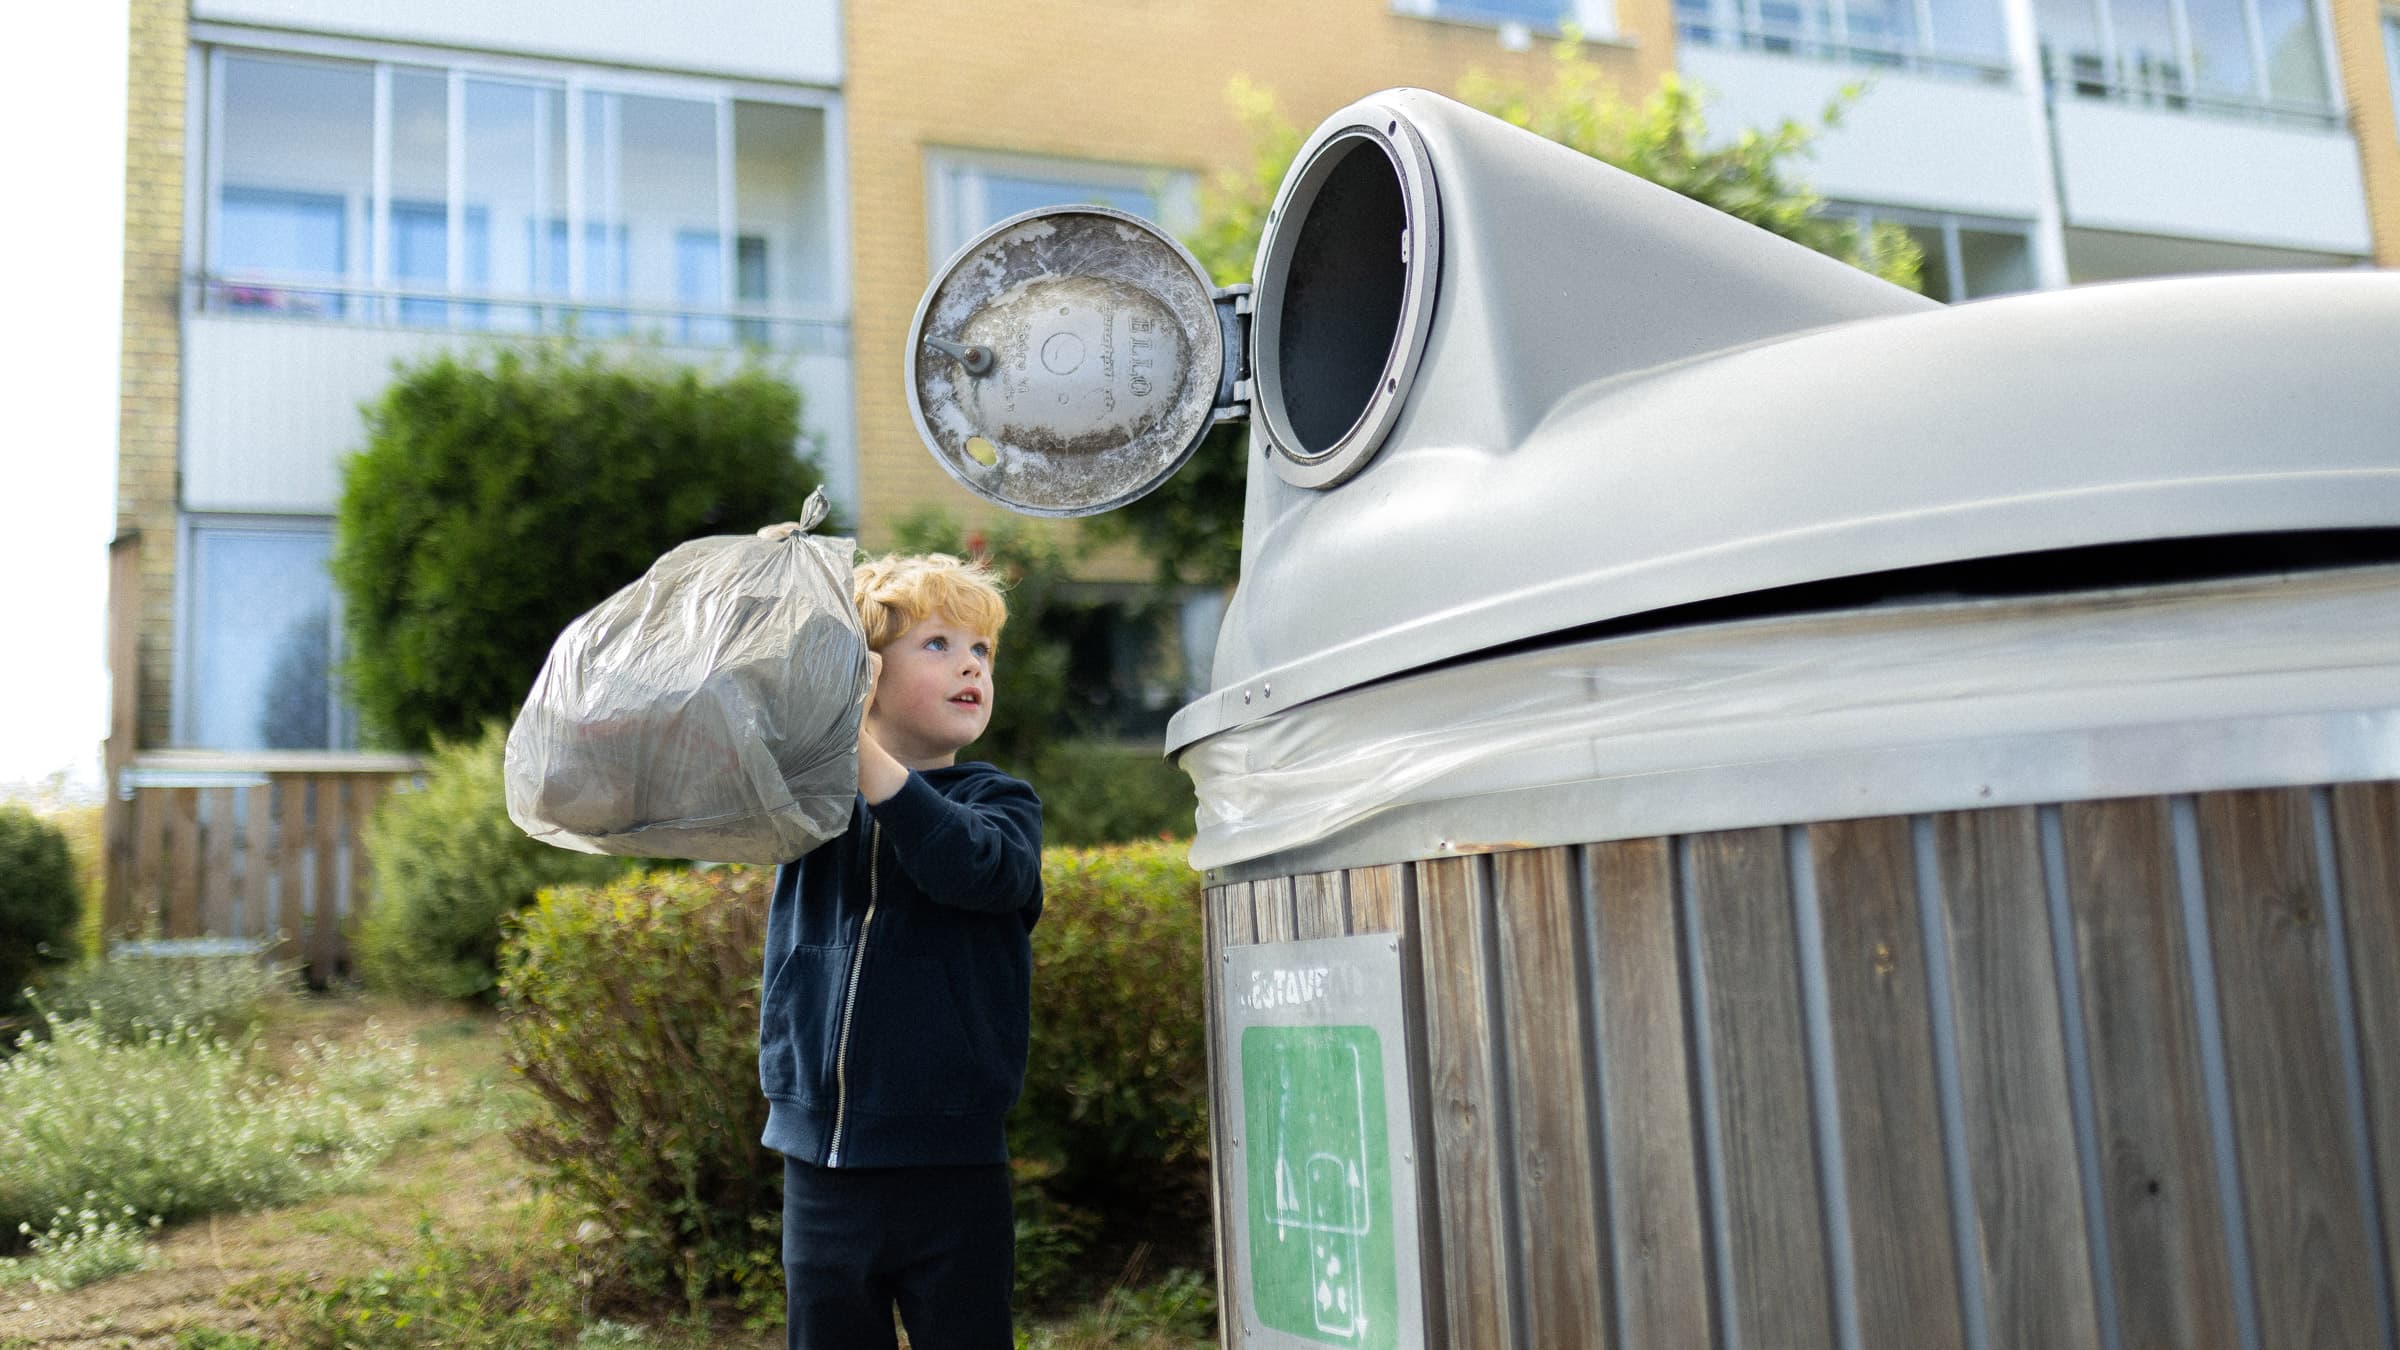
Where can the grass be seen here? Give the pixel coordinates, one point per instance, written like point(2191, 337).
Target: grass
point(444, 1241)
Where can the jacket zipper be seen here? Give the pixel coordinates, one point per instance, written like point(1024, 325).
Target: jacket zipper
point(858, 960)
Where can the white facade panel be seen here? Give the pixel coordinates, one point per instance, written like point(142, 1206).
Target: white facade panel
point(271, 408)
point(2209, 178)
point(1920, 141)
point(799, 41)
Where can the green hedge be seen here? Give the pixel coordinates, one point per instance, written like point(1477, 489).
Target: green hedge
point(449, 865)
point(633, 1012)
point(39, 901)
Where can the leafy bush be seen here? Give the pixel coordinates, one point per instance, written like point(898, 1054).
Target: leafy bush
point(499, 497)
point(449, 864)
point(39, 901)
point(449, 1293)
point(129, 997)
point(80, 1248)
point(1116, 1089)
point(1100, 792)
point(183, 1123)
point(633, 1012)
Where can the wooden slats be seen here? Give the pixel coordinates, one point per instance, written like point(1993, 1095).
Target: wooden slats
point(1775, 1288)
point(291, 919)
point(183, 862)
point(1653, 1179)
point(325, 843)
point(1317, 905)
point(2309, 1238)
point(2173, 1283)
point(2028, 1222)
point(1560, 1231)
point(1220, 1104)
point(1464, 1095)
point(1375, 899)
point(1891, 1130)
point(1271, 903)
point(2366, 827)
point(258, 861)
point(220, 899)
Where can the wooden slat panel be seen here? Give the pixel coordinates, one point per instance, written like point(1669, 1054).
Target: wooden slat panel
point(151, 827)
point(2166, 1226)
point(1551, 1105)
point(1271, 902)
point(291, 857)
point(2309, 1238)
point(183, 864)
point(1749, 959)
point(2029, 1223)
point(1317, 905)
point(1239, 929)
point(1900, 1230)
point(1653, 1185)
point(2366, 830)
point(366, 792)
point(325, 931)
point(1375, 899)
point(258, 860)
point(120, 908)
point(1464, 1098)
point(220, 901)
point(1224, 1158)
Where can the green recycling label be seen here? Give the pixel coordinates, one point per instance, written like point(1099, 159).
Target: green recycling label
point(1319, 1174)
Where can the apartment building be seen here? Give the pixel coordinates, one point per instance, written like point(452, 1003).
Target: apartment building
point(320, 188)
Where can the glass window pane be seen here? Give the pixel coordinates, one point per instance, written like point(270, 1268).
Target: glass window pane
point(1005, 195)
point(420, 193)
point(2072, 56)
point(1994, 262)
point(1885, 25)
point(263, 650)
point(296, 182)
point(2295, 57)
point(2148, 63)
point(666, 194)
point(1540, 13)
point(780, 202)
point(1968, 28)
point(507, 190)
point(1934, 272)
point(2221, 64)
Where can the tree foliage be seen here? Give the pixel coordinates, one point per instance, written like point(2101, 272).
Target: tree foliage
point(1191, 526)
point(499, 496)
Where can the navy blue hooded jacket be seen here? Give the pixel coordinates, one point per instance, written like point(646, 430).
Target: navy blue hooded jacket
point(893, 1021)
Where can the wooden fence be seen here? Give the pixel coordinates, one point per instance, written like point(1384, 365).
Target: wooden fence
point(266, 847)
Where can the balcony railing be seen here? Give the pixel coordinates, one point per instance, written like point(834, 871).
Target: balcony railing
point(815, 331)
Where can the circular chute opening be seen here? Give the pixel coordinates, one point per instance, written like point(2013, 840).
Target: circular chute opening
point(1344, 293)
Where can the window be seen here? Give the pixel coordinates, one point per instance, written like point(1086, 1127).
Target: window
point(967, 192)
point(1957, 37)
point(262, 645)
point(1536, 16)
point(1966, 257)
point(379, 192)
point(2252, 58)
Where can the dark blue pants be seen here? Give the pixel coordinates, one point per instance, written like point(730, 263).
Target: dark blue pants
point(938, 1243)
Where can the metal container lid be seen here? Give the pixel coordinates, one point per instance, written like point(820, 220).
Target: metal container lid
point(1067, 361)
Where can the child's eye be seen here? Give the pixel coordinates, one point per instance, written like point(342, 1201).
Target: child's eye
point(937, 644)
point(984, 650)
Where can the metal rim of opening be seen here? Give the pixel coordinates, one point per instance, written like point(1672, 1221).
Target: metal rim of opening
point(1386, 134)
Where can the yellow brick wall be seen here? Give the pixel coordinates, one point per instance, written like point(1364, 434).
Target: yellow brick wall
point(1129, 81)
point(2358, 36)
point(151, 345)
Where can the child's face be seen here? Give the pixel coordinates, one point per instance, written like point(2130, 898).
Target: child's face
point(935, 695)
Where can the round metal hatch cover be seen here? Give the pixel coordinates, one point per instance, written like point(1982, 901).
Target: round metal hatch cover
point(1066, 362)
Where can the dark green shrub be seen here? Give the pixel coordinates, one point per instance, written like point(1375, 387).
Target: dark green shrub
point(498, 497)
point(39, 901)
point(1101, 792)
point(449, 864)
point(1116, 1089)
point(633, 1012)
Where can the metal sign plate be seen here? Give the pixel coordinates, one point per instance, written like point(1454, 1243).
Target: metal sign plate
point(1323, 1159)
point(1066, 362)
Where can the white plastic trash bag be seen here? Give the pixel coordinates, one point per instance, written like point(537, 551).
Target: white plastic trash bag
point(709, 710)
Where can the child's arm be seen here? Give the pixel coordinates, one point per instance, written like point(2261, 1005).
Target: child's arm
point(981, 853)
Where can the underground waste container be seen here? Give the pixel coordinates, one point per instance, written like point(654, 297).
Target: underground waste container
point(1742, 807)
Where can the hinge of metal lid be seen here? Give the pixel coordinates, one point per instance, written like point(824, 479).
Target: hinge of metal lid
point(1233, 381)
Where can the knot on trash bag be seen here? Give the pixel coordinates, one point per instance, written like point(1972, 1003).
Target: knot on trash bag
point(811, 514)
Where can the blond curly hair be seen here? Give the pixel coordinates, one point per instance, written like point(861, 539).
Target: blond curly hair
point(899, 590)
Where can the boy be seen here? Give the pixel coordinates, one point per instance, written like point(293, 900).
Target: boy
point(892, 1025)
